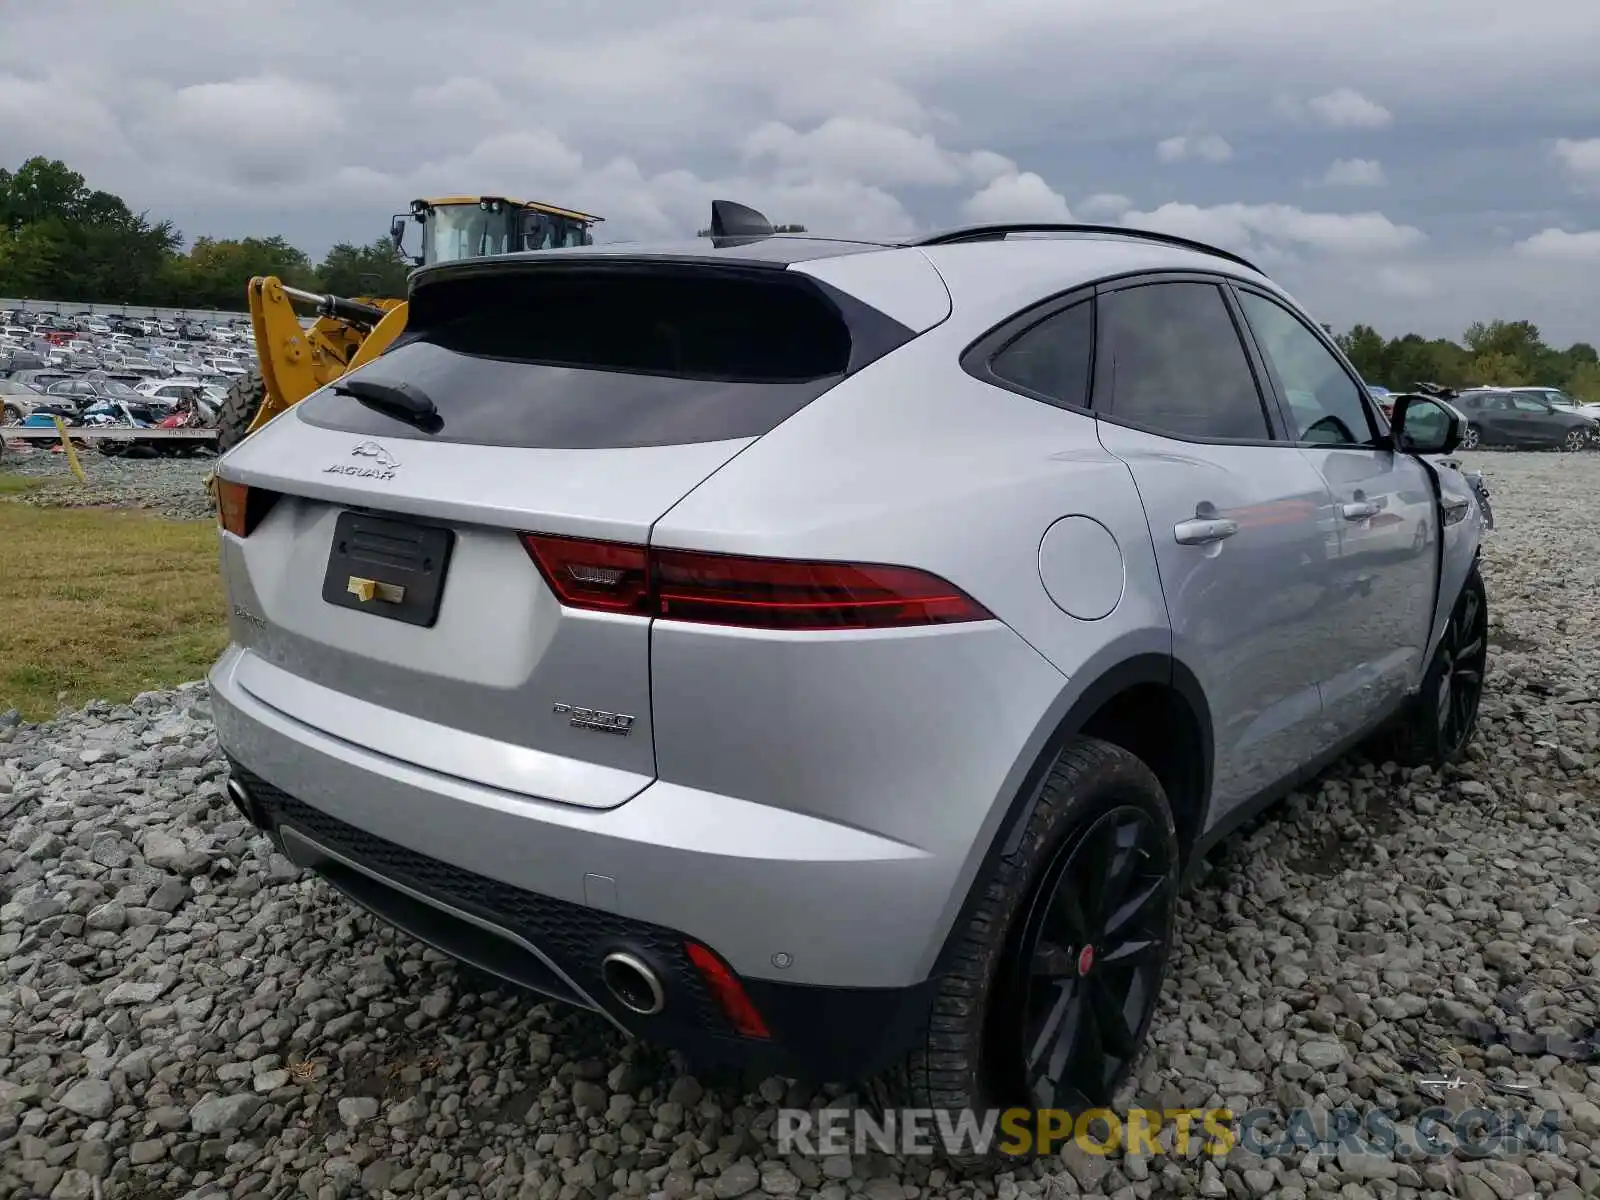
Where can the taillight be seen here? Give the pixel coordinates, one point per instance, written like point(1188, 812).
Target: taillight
point(722, 589)
point(730, 995)
point(727, 589)
point(608, 576)
point(240, 507)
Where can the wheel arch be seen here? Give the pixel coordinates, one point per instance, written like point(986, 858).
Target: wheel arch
point(1181, 742)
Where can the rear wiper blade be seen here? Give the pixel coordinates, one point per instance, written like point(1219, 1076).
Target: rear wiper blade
point(401, 400)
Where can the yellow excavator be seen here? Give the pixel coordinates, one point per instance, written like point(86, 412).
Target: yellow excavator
point(294, 360)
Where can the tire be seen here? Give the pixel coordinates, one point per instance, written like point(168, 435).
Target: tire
point(239, 408)
point(1471, 438)
point(1574, 440)
point(1426, 734)
point(974, 1054)
point(11, 415)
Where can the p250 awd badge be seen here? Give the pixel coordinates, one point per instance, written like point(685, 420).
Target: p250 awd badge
point(593, 718)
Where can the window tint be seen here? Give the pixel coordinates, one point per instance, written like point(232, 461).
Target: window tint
point(575, 359)
point(1530, 404)
point(1325, 405)
point(1175, 363)
point(1053, 357)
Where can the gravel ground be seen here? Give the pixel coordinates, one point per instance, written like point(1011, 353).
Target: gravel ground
point(172, 487)
point(183, 1014)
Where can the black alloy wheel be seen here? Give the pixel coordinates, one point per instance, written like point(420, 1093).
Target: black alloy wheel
point(1463, 652)
point(1093, 953)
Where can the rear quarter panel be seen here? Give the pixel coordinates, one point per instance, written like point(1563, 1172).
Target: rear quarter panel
point(921, 736)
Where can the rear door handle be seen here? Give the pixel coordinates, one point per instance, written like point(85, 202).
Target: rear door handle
point(1361, 510)
point(1202, 531)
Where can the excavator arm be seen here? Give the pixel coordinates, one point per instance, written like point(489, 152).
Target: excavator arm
point(296, 361)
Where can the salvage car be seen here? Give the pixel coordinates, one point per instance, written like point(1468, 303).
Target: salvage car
point(17, 400)
point(1519, 419)
point(833, 656)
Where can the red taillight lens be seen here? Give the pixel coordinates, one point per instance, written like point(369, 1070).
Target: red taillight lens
point(721, 589)
point(758, 593)
point(730, 995)
point(607, 576)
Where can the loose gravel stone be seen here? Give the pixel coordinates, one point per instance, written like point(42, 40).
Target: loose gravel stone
point(169, 487)
point(90, 1098)
point(184, 1014)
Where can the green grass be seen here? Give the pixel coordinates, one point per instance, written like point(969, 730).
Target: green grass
point(13, 485)
point(102, 605)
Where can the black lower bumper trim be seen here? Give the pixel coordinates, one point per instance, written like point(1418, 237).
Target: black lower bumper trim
point(817, 1033)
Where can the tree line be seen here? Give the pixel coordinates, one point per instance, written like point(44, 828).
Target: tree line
point(1494, 353)
point(60, 240)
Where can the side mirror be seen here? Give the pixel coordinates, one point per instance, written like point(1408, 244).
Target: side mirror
point(1424, 425)
point(397, 233)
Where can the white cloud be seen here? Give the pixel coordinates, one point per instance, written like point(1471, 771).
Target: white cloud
point(1276, 230)
point(1017, 197)
point(1204, 147)
point(1104, 204)
point(73, 120)
point(1354, 172)
point(227, 117)
point(252, 129)
point(1580, 160)
point(1406, 283)
point(1346, 108)
point(871, 151)
point(1561, 246)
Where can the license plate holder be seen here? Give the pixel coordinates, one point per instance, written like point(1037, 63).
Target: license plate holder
point(387, 567)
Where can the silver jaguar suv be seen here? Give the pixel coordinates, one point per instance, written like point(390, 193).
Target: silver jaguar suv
point(831, 656)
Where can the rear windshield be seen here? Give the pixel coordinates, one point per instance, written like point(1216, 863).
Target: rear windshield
point(564, 359)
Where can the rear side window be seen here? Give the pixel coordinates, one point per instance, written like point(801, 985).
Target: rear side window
point(605, 358)
point(1053, 358)
point(1175, 364)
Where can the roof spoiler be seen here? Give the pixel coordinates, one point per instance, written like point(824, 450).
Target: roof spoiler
point(732, 223)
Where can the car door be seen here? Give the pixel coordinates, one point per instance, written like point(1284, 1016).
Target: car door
point(1537, 422)
point(1240, 520)
point(1505, 423)
point(1389, 521)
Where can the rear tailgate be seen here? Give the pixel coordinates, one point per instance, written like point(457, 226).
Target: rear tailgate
point(382, 591)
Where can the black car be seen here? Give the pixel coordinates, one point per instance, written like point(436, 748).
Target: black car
point(1522, 420)
point(20, 364)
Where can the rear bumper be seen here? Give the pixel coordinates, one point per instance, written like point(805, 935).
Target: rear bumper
point(539, 893)
point(554, 948)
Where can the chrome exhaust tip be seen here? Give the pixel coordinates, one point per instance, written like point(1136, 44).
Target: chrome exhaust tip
point(636, 987)
point(242, 802)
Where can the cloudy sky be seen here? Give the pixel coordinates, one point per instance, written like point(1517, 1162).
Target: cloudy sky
point(1415, 165)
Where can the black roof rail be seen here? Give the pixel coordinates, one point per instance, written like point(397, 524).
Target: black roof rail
point(997, 231)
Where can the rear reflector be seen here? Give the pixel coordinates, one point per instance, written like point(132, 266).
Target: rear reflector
point(759, 593)
point(731, 997)
point(241, 508)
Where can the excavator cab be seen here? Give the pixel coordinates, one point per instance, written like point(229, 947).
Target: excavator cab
point(455, 227)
